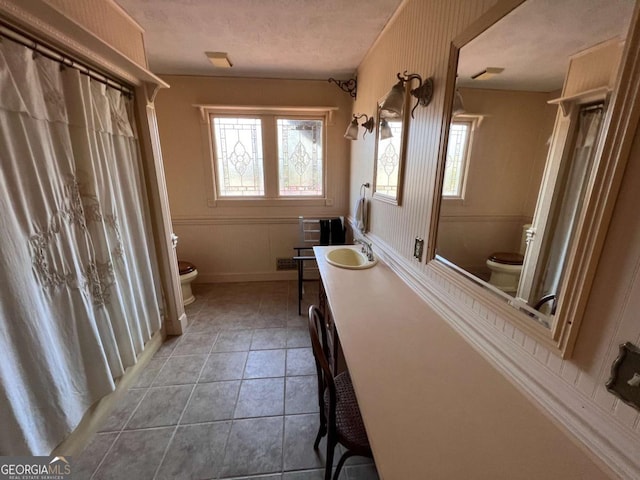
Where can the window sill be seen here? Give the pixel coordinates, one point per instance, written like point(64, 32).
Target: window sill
point(271, 202)
point(453, 200)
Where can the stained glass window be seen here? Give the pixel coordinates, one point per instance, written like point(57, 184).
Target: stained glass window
point(454, 170)
point(387, 167)
point(268, 155)
point(239, 158)
point(300, 157)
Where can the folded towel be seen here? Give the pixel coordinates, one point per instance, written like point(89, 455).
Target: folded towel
point(361, 214)
point(337, 232)
point(325, 232)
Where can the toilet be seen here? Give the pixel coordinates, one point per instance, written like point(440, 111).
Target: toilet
point(188, 274)
point(506, 267)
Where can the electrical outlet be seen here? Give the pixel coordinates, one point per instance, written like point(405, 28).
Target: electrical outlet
point(418, 247)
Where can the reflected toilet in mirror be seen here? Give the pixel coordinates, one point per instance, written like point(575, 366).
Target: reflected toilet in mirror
point(506, 267)
point(522, 167)
point(519, 154)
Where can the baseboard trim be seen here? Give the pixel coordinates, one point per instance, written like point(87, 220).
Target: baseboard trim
point(96, 415)
point(190, 221)
point(519, 219)
point(611, 444)
point(246, 277)
point(177, 326)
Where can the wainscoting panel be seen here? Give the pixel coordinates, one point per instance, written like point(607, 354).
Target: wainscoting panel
point(237, 251)
point(468, 241)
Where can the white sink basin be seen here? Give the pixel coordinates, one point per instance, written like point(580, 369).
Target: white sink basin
point(349, 258)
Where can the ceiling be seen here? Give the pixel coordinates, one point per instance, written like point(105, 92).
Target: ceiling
point(302, 39)
point(534, 41)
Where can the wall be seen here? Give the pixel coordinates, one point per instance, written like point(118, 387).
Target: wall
point(98, 33)
point(108, 21)
point(506, 163)
point(571, 391)
point(238, 243)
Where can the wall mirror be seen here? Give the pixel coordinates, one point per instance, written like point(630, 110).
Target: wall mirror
point(528, 166)
point(391, 135)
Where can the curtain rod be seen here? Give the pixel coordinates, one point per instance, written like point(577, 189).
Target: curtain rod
point(595, 106)
point(51, 53)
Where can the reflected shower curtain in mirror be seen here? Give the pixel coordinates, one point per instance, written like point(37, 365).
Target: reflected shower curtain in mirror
point(567, 202)
point(79, 297)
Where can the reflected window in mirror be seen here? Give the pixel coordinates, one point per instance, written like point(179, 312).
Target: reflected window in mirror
point(523, 238)
point(458, 151)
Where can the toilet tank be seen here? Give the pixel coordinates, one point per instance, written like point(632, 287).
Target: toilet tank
point(523, 238)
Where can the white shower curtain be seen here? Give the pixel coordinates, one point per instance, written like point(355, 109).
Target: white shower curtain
point(568, 200)
point(79, 296)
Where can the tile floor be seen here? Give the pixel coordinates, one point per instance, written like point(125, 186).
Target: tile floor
point(235, 397)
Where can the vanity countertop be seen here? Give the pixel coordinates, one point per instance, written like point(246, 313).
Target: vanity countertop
point(434, 407)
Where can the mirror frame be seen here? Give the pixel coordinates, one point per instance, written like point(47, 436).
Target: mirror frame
point(403, 151)
point(619, 129)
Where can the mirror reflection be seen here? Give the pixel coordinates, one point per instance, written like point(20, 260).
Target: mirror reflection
point(390, 134)
point(531, 94)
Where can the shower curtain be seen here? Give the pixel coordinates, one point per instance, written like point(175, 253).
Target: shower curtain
point(78, 290)
point(568, 200)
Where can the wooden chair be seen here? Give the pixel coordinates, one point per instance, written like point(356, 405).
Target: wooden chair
point(340, 417)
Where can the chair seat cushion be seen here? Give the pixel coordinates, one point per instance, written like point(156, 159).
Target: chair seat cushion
point(349, 424)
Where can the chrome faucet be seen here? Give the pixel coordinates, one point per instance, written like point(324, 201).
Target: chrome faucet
point(366, 249)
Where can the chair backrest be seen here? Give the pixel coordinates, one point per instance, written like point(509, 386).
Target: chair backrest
point(309, 231)
point(321, 231)
point(322, 356)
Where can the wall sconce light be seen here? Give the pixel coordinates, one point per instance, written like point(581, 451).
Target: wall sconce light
point(393, 104)
point(385, 130)
point(352, 129)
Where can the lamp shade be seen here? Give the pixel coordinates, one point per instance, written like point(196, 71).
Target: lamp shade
point(352, 130)
point(385, 130)
point(393, 104)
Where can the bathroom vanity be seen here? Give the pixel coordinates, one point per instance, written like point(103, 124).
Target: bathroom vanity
point(434, 407)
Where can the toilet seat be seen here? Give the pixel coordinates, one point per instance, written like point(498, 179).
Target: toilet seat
point(507, 258)
point(185, 267)
point(506, 268)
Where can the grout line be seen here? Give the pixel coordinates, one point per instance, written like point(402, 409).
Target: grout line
point(105, 455)
point(235, 405)
point(166, 450)
point(184, 409)
point(126, 422)
point(232, 422)
point(284, 424)
point(284, 405)
point(153, 380)
point(210, 350)
point(178, 423)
